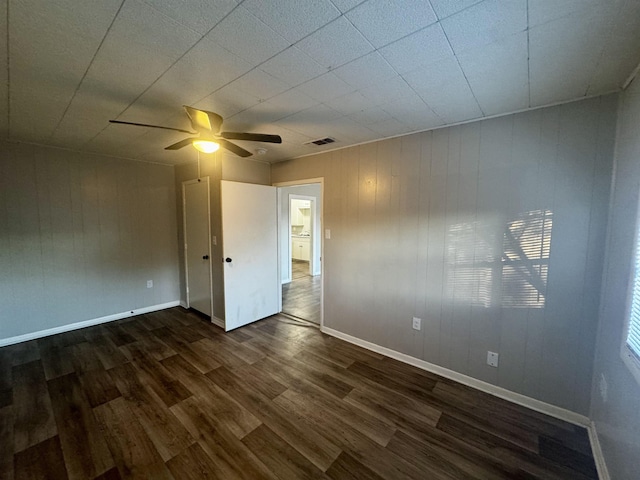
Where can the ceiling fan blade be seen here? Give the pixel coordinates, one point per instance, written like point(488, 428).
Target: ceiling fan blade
point(232, 147)
point(204, 120)
point(180, 144)
point(151, 126)
point(254, 137)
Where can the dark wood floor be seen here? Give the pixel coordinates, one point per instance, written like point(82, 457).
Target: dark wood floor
point(167, 395)
point(301, 297)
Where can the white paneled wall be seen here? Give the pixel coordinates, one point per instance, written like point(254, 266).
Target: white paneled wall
point(492, 233)
point(616, 413)
point(80, 235)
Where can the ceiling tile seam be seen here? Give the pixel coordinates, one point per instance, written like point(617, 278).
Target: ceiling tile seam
point(416, 92)
point(163, 73)
point(374, 48)
point(342, 115)
point(413, 89)
point(329, 69)
point(257, 67)
point(456, 12)
point(424, 102)
point(202, 37)
point(261, 101)
point(175, 20)
point(528, 59)
point(603, 48)
point(268, 59)
point(363, 36)
point(377, 50)
point(346, 11)
point(8, 75)
point(84, 75)
point(402, 76)
point(462, 70)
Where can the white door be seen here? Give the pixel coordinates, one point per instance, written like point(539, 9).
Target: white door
point(197, 244)
point(250, 253)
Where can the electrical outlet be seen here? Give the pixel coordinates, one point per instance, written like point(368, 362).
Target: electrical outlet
point(149, 283)
point(604, 388)
point(416, 323)
point(492, 359)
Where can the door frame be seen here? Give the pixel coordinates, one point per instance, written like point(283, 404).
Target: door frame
point(184, 246)
point(295, 183)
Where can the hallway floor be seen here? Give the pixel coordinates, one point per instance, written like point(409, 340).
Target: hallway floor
point(301, 297)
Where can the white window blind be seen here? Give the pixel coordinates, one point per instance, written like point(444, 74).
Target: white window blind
point(633, 331)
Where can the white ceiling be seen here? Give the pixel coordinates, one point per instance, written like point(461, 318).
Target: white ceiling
point(304, 69)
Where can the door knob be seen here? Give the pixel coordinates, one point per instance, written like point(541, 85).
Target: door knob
point(228, 260)
point(205, 257)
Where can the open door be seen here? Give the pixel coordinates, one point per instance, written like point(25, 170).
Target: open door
point(197, 244)
point(250, 253)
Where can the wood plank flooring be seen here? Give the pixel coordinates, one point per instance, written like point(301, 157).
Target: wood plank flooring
point(167, 395)
point(301, 297)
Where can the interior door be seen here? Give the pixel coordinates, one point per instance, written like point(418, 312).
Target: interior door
point(197, 244)
point(250, 253)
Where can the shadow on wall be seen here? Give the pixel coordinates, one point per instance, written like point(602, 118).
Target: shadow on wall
point(484, 269)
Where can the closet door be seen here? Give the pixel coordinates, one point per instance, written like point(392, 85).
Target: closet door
point(197, 244)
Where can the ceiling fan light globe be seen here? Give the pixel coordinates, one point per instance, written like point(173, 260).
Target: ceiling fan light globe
point(206, 146)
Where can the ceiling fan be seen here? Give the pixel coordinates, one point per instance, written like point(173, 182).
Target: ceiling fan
point(209, 137)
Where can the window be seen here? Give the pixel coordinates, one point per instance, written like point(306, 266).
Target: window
point(516, 277)
point(631, 339)
point(526, 248)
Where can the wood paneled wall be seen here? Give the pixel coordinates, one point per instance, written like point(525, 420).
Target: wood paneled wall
point(80, 235)
point(617, 417)
point(445, 225)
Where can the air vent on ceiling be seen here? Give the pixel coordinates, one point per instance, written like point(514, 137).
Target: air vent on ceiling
point(321, 141)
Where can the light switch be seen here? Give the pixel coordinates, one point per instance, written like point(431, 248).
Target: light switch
point(327, 233)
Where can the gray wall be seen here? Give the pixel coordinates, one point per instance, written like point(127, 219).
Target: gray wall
point(80, 235)
point(618, 418)
point(421, 226)
point(217, 166)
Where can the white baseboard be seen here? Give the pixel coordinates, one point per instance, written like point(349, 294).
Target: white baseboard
point(517, 398)
point(86, 323)
point(218, 322)
point(215, 320)
point(596, 449)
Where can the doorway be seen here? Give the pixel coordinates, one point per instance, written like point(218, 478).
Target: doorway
point(300, 206)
